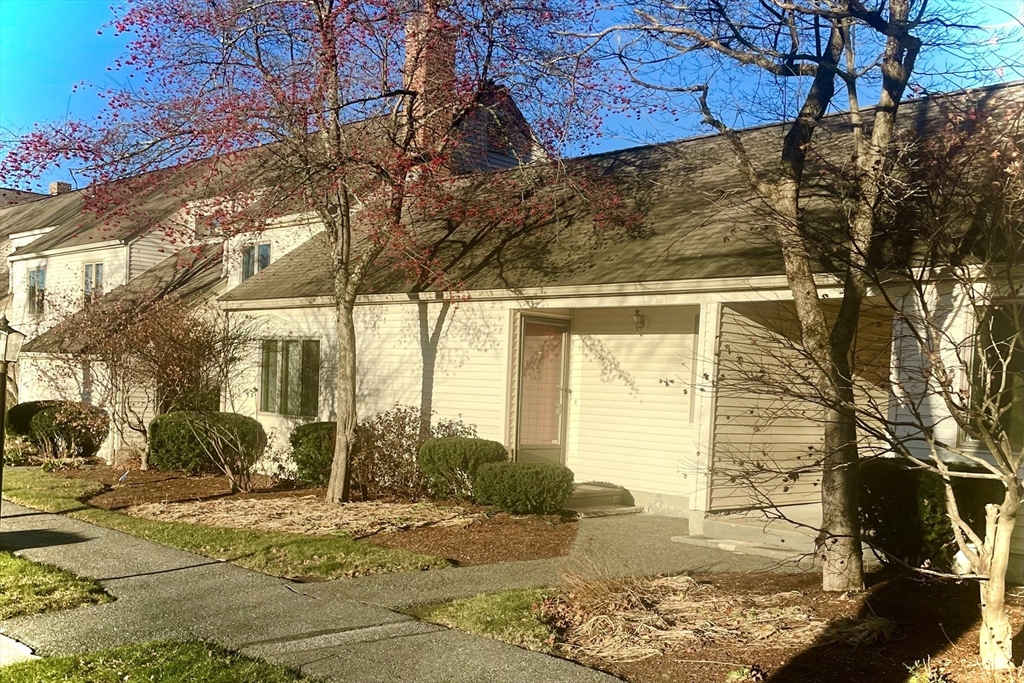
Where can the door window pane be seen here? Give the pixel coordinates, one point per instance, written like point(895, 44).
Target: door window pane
point(540, 417)
point(310, 377)
point(1002, 360)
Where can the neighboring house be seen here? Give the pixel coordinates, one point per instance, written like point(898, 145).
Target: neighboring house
point(53, 365)
point(65, 254)
point(11, 197)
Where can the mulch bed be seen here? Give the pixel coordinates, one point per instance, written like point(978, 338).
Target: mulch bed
point(489, 539)
point(485, 539)
point(936, 620)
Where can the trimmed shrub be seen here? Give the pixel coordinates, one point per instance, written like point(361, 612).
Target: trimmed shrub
point(206, 443)
point(451, 463)
point(313, 452)
point(384, 461)
point(523, 487)
point(65, 429)
point(19, 417)
point(903, 510)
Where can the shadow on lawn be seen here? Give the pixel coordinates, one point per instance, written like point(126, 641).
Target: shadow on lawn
point(930, 615)
point(37, 538)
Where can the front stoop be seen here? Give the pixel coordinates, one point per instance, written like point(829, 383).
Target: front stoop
point(600, 500)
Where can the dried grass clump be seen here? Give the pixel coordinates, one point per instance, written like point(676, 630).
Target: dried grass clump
point(623, 620)
point(307, 515)
point(866, 631)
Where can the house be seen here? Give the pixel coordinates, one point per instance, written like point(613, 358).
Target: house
point(621, 355)
point(612, 358)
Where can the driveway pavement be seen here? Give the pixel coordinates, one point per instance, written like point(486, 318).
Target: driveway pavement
point(345, 630)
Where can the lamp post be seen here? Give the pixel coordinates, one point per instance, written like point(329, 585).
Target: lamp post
point(10, 348)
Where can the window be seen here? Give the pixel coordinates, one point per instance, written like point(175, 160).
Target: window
point(93, 284)
point(36, 290)
point(998, 376)
point(290, 377)
point(254, 259)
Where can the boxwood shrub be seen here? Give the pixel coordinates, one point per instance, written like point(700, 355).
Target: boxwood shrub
point(523, 487)
point(19, 417)
point(313, 451)
point(451, 463)
point(903, 510)
point(66, 429)
point(181, 440)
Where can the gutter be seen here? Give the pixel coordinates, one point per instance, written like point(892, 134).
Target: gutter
point(702, 286)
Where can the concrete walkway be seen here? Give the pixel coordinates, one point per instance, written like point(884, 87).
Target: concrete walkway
point(344, 630)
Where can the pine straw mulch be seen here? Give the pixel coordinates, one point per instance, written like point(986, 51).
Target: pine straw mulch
point(308, 515)
point(769, 627)
point(628, 620)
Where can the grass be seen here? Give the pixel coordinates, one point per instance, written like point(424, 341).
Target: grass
point(157, 662)
point(508, 616)
point(274, 553)
point(28, 587)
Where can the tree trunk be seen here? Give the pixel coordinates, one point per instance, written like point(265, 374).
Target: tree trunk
point(345, 404)
point(996, 637)
point(838, 544)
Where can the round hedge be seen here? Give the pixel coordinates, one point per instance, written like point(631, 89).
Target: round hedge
point(451, 463)
point(903, 509)
point(523, 488)
point(67, 429)
point(181, 440)
point(19, 417)
point(313, 451)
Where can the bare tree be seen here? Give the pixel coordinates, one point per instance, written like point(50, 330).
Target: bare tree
point(355, 115)
point(806, 57)
point(140, 352)
point(945, 280)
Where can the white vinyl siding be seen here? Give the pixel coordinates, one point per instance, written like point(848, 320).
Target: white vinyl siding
point(753, 426)
point(147, 251)
point(469, 369)
point(64, 285)
point(629, 413)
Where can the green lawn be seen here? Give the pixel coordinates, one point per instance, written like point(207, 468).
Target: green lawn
point(274, 553)
point(28, 587)
point(158, 662)
point(508, 616)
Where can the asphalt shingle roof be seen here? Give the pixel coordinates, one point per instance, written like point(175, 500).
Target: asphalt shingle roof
point(700, 219)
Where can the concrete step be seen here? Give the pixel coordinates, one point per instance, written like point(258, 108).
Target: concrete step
point(761, 532)
point(592, 495)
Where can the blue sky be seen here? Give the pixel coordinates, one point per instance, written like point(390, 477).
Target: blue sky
point(47, 46)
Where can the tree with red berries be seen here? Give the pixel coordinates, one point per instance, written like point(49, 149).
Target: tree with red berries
point(366, 116)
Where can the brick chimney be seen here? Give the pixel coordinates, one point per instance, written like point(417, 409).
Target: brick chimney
point(430, 71)
point(59, 187)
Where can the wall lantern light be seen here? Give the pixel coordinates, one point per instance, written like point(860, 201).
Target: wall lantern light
point(640, 321)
